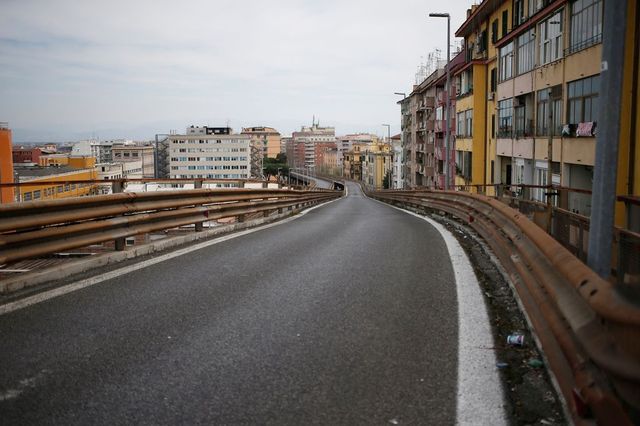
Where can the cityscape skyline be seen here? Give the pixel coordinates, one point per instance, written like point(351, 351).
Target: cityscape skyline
point(75, 71)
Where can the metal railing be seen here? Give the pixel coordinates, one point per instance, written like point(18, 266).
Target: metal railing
point(37, 228)
point(589, 328)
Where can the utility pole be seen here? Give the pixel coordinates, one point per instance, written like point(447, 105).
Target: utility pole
point(608, 138)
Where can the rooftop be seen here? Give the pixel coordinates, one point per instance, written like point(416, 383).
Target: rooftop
point(35, 172)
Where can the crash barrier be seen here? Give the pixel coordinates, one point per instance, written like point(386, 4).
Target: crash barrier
point(37, 228)
point(589, 328)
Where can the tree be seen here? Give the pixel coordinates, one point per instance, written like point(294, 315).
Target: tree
point(271, 166)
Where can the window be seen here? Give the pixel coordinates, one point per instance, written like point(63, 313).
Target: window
point(460, 124)
point(506, 62)
point(494, 79)
point(37, 194)
point(494, 31)
point(59, 189)
point(493, 126)
point(542, 116)
point(518, 12)
point(522, 111)
point(534, 6)
point(551, 39)
point(505, 118)
point(468, 122)
point(586, 24)
point(505, 22)
point(583, 100)
point(526, 52)
point(466, 81)
point(27, 196)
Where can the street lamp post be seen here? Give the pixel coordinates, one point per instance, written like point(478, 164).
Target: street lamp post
point(388, 126)
point(447, 171)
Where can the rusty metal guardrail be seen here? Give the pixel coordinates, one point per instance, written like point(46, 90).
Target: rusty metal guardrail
point(36, 228)
point(589, 329)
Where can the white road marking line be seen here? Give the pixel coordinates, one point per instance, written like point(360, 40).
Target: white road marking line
point(50, 294)
point(480, 399)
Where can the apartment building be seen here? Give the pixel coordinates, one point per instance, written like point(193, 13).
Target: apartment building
point(424, 128)
point(328, 162)
point(376, 166)
point(397, 172)
point(209, 153)
point(345, 143)
point(266, 138)
point(529, 88)
point(310, 137)
point(295, 153)
point(353, 159)
point(134, 153)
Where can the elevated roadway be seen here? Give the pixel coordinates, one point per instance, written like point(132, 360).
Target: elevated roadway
point(346, 315)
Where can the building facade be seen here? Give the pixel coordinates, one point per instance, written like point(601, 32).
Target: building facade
point(376, 166)
point(26, 155)
point(266, 138)
point(47, 183)
point(7, 195)
point(310, 137)
point(200, 154)
point(134, 153)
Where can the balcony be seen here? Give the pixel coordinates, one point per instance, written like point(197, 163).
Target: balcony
point(426, 103)
point(429, 148)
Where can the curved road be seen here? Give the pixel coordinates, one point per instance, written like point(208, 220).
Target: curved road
point(346, 315)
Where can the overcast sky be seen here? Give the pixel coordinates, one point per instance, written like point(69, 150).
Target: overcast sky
point(130, 69)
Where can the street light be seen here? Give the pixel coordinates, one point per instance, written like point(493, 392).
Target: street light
point(447, 171)
point(404, 95)
point(388, 126)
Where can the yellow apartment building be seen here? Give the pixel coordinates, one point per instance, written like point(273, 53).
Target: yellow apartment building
point(266, 138)
point(352, 160)
point(527, 101)
point(376, 164)
point(476, 83)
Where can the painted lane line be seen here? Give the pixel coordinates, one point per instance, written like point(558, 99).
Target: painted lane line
point(480, 397)
point(78, 285)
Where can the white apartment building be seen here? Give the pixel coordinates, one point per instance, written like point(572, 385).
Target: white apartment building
point(209, 156)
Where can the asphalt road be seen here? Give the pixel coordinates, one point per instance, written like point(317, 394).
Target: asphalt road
point(346, 315)
point(320, 183)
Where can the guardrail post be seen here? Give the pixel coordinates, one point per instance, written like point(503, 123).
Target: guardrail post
point(265, 184)
point(241, 218)
point(117, 186)
point(241, 184)
point(197, 184)
point(266, 213)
